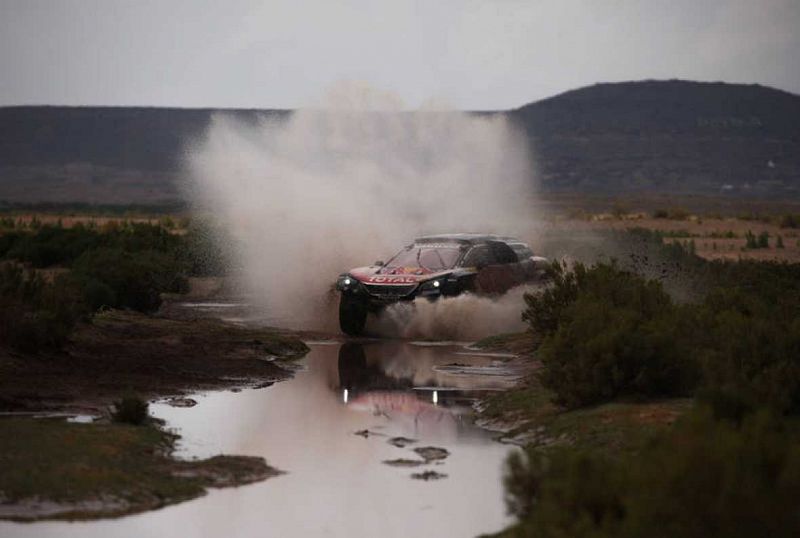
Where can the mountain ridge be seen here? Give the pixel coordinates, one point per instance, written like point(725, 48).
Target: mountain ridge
point(670, 136)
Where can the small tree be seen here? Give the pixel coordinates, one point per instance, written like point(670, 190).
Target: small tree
point(763, 240)
point(750, 240)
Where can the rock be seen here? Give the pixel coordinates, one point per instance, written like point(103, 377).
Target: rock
point(401, 442)
point(181, 402)
point(264, 385)
point(431, 453)
point(402, 462)
point(428, 475)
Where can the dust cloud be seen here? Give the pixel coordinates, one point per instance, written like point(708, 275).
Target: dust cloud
point(466, 317)
point(338, 186)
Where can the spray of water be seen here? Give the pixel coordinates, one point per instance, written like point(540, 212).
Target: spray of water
point(342, 185)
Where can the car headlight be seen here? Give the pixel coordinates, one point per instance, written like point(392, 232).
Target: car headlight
point(432, 286)
point(347, 283)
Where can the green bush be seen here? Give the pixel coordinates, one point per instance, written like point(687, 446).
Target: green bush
point(763, 240)
point(746, 348)
point(50, 245)
point(544, 310)
point(750, 240)
point(707, 478)
point(130, 280)
point(748, 337)
point(754, 242)
point(201, 250)
point(606, 333)
point(660, 214)
point(562, 493)
point(790, 221)
point(36, 315)
point(130, 410)
point(674, 213)
point(98, 294)
point(122, 265)
point(204, 250)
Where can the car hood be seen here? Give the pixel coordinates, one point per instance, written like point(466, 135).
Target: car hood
point(394, 275)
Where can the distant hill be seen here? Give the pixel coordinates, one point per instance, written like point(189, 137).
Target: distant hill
point(655, 136)
point(667, 136)
point(115, 155)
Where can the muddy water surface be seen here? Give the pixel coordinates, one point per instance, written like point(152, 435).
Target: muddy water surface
point(330, 429)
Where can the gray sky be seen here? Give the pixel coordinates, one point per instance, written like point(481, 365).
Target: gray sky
point(472, 55)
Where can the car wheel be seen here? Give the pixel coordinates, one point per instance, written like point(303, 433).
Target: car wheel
point(352, 315)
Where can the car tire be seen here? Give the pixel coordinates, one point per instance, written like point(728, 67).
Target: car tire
point(352, 315)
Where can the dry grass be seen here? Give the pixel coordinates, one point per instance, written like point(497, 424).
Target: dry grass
point(711, 236)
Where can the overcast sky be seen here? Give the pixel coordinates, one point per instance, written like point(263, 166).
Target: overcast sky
point(472, 55)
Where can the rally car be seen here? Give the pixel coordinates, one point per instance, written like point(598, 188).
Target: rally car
point(433, 267)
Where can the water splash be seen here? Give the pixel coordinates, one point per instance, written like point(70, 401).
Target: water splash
point(338, 186)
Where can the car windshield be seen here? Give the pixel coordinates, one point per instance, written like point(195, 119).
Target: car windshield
point(433, 258)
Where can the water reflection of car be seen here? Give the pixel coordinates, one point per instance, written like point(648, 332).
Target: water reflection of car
point(369, 382)
point(367, 387)
point(433, 267)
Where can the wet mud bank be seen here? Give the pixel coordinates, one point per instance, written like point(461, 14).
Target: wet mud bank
point(57, 469)
point(525, 414)
point(124, 352)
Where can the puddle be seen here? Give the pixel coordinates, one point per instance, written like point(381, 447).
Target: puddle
point(69, 417)
point(214, 306)
point(473, 352)
point(337, 483)
point(237, 312)
point(439, 343)
point(81, 419)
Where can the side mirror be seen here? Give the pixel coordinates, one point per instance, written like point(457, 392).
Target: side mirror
point(379, 263)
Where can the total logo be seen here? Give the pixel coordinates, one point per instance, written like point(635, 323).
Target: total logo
point(392, 280)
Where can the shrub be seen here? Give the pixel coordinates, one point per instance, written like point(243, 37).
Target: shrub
point(706, 478)
point(36, 315)
point(562, 493)
point(204, 250)
point(750, 240)
point(747, 347)
point(607, 332)
point(673, 213)
point(660, 214)
point(130, 280)
point(99, 295)
point(50, 245)
point(790, 221)
point(130, 410)
point(544, 309)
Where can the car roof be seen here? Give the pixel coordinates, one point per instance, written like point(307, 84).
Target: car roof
point(467, 238)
